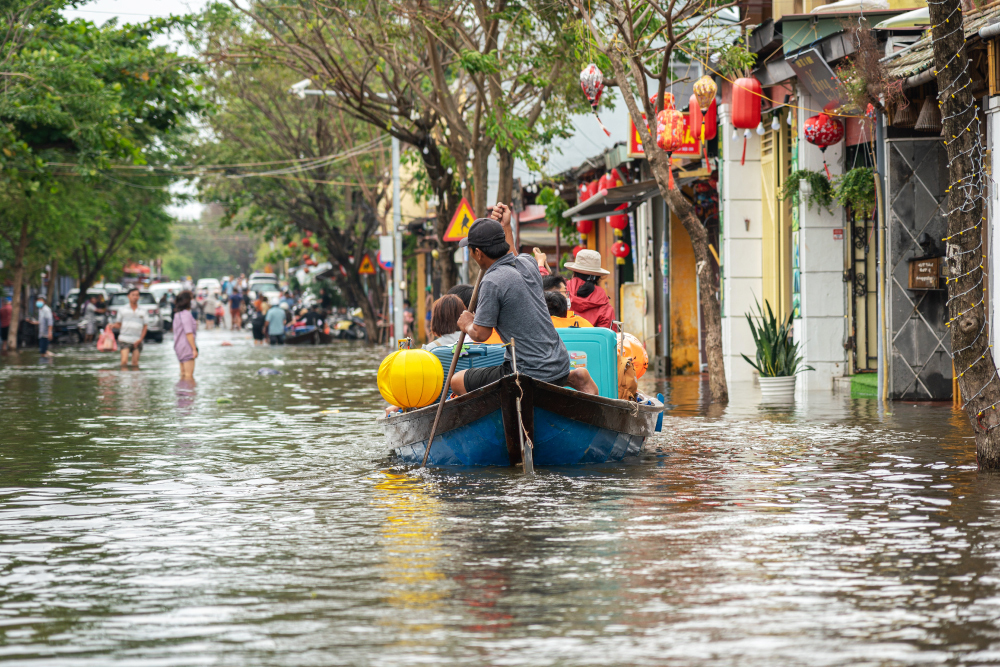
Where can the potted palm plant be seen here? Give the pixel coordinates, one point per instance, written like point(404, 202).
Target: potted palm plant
point(778, 360)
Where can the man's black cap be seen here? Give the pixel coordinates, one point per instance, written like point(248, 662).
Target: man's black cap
point(484, 233)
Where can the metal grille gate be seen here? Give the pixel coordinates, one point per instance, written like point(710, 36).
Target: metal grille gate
point(920, 363)
point(862, 279)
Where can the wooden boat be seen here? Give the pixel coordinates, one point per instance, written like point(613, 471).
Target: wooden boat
point(480, 428)
point(302, 336)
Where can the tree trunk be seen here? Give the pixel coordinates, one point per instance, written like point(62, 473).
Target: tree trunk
point(708, 290)
point(505, 172)
point(480, 178)
point(444, 266)
point(966, 285)
point(53, 278)
point(18, 279)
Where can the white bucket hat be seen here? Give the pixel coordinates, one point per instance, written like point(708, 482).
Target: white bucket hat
point(588, 262)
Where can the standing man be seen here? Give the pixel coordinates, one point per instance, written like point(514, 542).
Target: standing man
point(275, 321)
point(90, 312)
point(6, 313)
point(132, 325)
point(235, 301)
point(45, 323)
point(511, 301)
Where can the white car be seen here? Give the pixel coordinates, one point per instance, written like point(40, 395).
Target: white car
point(211, 285)
point(148, 304)
point(158, 290)
point(264, 287)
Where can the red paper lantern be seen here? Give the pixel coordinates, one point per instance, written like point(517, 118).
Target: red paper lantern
point(670, 131)
point(592, 189)
point(592, 82)
point(584, 226)
point(746, 103)
point(746, 107)
point(577, 249)
point(292, 244)
point(710, 121)
point(584, 192)
point(620, 249)
point(615, 179)
point(619, 221)
point(668, 102)
point(824, 132)
point(694, 117)
point(306, 242)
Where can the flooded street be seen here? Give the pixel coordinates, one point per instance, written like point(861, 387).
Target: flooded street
point(254, 520)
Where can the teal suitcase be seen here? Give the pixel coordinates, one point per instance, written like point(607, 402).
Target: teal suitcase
point(595, 349)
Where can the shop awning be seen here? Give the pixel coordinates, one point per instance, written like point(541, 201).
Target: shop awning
point(606, 201)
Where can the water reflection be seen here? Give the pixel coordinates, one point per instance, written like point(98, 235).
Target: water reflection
point(252, 519)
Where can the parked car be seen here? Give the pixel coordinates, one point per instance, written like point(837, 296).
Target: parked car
point(148, 303)
point(74, 294)
point(264, 285)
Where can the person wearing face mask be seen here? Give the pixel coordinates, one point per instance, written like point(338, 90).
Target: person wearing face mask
point(556, 283)
point(44, 323)
point(561, 317)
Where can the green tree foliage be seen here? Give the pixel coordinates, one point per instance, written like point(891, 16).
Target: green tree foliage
point(203, 249)
point(307, 167)
point(87, 114)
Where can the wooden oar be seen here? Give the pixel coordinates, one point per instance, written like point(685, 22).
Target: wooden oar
point(451, 370)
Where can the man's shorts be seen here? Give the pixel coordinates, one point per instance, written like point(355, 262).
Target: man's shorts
point(43, 345)
point(476, 378)
point(132, 347)
point(277, 339)
point(3, 333)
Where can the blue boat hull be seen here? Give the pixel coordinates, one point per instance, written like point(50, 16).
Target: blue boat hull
point(566, 427)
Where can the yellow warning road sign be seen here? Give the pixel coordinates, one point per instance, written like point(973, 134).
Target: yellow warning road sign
point(366, 268)
point(458, 228)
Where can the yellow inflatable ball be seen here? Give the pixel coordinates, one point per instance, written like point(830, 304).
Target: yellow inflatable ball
point(410, 378)
point(632, 347)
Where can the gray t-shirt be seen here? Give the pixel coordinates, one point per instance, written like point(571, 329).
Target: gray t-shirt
point(511, 301)
point(45, 322)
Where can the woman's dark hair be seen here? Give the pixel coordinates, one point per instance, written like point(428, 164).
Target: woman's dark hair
point(552, 282)
point(463, 292)
point(182, 301)
point(497, 250)
point(589, 283)
point(556, 304)
point(444, 314)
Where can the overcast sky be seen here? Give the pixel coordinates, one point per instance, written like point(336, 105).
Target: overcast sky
point(588, 140)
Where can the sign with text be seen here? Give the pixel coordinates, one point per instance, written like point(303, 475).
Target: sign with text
point(689, 147)
point(822, 84)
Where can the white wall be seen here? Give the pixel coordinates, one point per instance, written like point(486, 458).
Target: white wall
point(821, 331)
point(992, 133)
point(741, 247)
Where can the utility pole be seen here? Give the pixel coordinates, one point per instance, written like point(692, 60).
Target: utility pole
point(397, 237)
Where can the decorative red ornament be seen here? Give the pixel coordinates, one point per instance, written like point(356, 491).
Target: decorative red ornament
point(592, 82)
point(584, 226)
point(823, 131)
point(746, 107)
point(584, 192)
point(593, 188)
point(670, 130)
point(620, 249)
point(710, 121)
point(668, 102)
point(577, 249)
point(616, 178)
point(694, 116)
point(619, 221)
point(306, 242)
point(292, 244)
point(308, 233)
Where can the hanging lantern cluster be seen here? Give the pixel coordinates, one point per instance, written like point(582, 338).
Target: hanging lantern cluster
point(747, 94)
point(823, 131)
point(670, 127)
point(592, 82)
point(668, 102)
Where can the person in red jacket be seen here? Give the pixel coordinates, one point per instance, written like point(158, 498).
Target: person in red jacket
point(587, 297)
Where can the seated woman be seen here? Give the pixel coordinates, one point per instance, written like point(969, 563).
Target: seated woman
point(444, 321)
point(464, 292)
point(587, 297)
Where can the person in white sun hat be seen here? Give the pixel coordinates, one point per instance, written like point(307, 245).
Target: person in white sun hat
point(587, 298)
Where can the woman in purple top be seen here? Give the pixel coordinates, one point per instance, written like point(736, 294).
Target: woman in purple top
point(184, 332)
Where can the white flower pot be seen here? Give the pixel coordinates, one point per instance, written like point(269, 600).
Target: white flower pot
point(777, 390)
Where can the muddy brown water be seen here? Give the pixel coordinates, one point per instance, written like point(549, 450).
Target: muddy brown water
point(145, 522)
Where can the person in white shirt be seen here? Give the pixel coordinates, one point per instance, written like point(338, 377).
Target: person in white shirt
point(132, 325)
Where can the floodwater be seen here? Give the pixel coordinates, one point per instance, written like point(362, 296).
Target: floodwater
point(254, 520)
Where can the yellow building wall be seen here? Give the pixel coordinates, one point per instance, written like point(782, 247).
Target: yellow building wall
point(684, 343)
